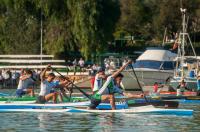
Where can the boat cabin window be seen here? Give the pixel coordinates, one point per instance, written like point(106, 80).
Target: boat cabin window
point(168, 65)
point(147, 64)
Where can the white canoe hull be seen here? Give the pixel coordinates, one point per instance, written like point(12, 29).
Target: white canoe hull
point(133, 110)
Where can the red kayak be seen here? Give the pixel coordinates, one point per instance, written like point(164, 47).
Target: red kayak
point(188, 93)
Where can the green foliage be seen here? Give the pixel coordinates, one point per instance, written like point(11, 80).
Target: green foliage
point(88, 26)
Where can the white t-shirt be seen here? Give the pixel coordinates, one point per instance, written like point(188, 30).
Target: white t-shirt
point(47, 86)
point(5, 75)
point(15, 75)
point(98, 83)
point(24, 84)
point(112, 64)
point(81, 63)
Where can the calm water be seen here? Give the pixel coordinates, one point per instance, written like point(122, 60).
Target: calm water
point(33, 122)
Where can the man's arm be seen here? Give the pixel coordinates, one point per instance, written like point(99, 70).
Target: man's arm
point(63, 84)
point(24, 77)
point(121, 69)
point(105, 85)
point(42, 75)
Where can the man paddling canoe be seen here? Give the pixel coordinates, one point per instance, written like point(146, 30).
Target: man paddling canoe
point(25, 85)
point(106, 93)
point(46, 86)
point(98, 80)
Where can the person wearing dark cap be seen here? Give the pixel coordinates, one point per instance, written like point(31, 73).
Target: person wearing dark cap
point(98, 80)
point(46, 86)
point(106, 92)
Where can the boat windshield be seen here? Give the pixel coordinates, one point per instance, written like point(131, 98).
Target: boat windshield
point(147, 64)
point(167, 65)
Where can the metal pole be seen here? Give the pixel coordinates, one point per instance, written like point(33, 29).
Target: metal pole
point(41, 35)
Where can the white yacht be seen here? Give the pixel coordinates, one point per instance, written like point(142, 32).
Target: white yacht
point(154, 65)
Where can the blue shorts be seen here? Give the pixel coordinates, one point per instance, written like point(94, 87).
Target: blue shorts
point(20, 92)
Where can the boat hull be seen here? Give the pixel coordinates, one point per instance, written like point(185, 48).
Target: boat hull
point(145, 77)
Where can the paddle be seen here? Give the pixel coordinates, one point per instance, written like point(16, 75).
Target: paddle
point(73, 85)
point(139, 83)
point(4, 94)
point(71, 90)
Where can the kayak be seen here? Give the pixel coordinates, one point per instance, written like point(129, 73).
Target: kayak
point(3, 94)
point(132, 110)
point(29, 99)
point(154, 102)
point(142, 109)
point(131, 102)
point(119, 105)
point(185, 101)
point(187, 93)
point(173, 97)
point(163, 103)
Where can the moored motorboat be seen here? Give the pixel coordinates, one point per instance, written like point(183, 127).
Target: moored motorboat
point(154, 65)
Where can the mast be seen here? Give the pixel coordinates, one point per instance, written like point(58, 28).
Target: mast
point(183, 41)
point(164, 38)
point(183, 11)
point(41, 33)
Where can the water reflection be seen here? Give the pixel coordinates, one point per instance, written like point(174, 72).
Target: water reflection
point(104, 122)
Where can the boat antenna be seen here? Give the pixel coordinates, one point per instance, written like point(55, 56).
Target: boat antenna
point(164, 38)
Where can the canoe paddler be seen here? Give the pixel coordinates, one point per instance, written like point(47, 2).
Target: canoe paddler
point(25, 85)
point(64, 88)
point(98, 80)
point(47, 84)
point(106, 92)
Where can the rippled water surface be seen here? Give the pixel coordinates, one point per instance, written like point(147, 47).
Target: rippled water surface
point(98, 122)
point(33, 122)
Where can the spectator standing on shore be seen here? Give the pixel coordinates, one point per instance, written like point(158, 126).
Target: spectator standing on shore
point(124, 62)
point(81, 63)
point(15, 77)
point(6, 78)
point(75, 63)
point(1, 79)
point(106, 63)
point(112, 64)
